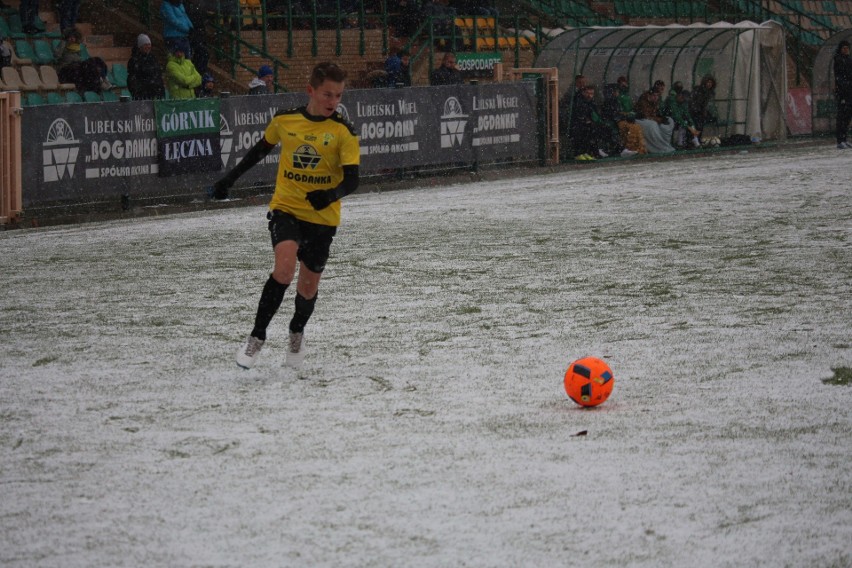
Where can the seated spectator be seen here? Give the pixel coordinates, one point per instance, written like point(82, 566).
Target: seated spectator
point(656, 129)
point(700, 107)
point(208, 86)
point(69, 49)
point(376, 79)
point(684, 126)
point(590, 135)
point(665, 107)
point(398, 69)
point(144, 74)
point(264, 83)
point(5, 52)
point(448, 73)
point(625, 118)
point(88, 75)
point(181, 76)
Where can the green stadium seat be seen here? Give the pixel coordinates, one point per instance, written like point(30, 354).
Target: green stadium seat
point(54, 98)
point(43, 52)
point(15, 24)
point(33, 99)
point(6, 31)
point(92, 97)
point(73, 97)
point(39, 23)
point(118, 75)
point(109, 97)
point(16, 27)
point(24, 50)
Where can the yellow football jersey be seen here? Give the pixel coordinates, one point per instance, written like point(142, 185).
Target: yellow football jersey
point(313, 153)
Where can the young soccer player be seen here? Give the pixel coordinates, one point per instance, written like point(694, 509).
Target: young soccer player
point(319, 165)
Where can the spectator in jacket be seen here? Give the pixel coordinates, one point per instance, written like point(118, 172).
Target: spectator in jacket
point(5, 52)
point(592, 138)
point(28, 12)
point(656, 129)
point(208, 86)
point(264, 83)
point(176, 26)
point(144, 74)
point(88, 75)
point(671, 98)
point(68, 11)
point(198, 13)
point(448, 73)
point(69, 49)
point(398, 69)
point(700, 109)
point(678, 110)
point(181, 76)
point(843, 92)
point(625, 118)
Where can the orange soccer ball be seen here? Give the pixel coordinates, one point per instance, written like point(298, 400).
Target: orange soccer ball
point(589, 381)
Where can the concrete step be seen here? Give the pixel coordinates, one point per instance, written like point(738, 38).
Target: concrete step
point(98, 40)
point(111, 54)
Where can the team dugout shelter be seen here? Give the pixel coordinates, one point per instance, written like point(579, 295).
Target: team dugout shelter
point(747, 60)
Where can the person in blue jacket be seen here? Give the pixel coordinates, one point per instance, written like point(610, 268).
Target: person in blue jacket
point(176, 26)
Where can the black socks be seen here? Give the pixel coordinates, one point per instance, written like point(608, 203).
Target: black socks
point(304, 309)
point(270, 301)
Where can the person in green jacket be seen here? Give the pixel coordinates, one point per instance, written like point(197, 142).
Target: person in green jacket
point(625, 117)
point(181, 76)
point(684, 125)
point(671, 99)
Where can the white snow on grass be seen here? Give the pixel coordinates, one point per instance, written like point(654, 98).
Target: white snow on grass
point(428, 426)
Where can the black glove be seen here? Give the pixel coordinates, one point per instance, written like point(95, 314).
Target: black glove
point(321, 198)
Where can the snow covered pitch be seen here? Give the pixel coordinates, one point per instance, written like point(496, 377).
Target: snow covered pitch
point(428, 426)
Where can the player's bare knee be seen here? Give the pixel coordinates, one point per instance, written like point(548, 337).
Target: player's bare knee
point(283, 276)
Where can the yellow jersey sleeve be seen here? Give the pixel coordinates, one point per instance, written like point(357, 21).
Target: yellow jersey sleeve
point(271, 134)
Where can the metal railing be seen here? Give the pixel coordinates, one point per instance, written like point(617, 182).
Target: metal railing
point(447, 35)
point(11, 204)
point(798, 23)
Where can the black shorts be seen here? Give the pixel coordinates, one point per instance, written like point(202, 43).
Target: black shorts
point(314, 240)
